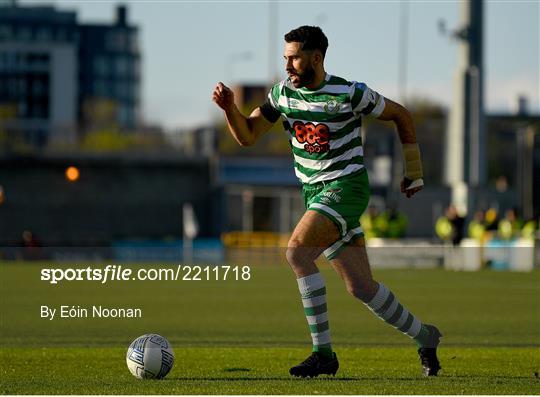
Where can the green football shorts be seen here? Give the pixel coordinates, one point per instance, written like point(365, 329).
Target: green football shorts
point(343, 201)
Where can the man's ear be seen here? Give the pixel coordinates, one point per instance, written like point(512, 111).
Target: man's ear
point(317, 58)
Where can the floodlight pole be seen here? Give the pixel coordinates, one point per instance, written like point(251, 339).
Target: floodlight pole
point(403, 50)
point(397, 162)
point(272, 36)
point(465, 165)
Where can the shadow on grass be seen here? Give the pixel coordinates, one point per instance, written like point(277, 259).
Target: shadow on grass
point(265, 379)
point(491, 377)
point(235, 369)
point(419, 378)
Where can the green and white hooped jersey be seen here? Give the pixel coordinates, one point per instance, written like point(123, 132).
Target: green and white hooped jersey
point(324, 125)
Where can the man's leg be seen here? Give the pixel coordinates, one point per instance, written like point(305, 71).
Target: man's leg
point(312, 235)
point(352, 265)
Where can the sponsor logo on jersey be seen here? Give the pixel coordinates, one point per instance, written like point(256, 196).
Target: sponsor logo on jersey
point(314, 137)
point(325, 200)
point(329, 196)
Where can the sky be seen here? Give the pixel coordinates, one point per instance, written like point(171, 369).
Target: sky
point(188, 46)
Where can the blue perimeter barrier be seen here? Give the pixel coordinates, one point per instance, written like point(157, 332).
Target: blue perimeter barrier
point(205, 250)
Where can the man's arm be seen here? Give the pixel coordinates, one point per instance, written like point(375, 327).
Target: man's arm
point(401, 117)
point(246, 130)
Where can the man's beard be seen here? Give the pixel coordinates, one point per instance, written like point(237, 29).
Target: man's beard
point(305, 78)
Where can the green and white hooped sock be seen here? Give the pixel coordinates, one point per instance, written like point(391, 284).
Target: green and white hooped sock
point(387, 307)
point(313, 291)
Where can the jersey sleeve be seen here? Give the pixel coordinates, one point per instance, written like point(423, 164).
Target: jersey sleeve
point(270, 109)
point(273, 96)
point(366, 102)
point(269, 112)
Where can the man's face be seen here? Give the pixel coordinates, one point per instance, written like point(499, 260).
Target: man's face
point(298, 65)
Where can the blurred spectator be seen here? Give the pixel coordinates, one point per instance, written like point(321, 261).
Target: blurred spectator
point(449, 227)
point(380, 225)
point(529, 229)
point(491, 220)
point(31, 247)
point(389, 224)
point(29, 240)
point(501, 184)
point(485, 227)
point(477, 228)
point(443, 228)
point(510, 226)
point(367, 220)
point(397, 223)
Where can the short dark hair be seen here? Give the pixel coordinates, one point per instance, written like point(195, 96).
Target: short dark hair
point(311, 37)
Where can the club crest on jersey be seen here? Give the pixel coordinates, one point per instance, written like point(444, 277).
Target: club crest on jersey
point(331, 107)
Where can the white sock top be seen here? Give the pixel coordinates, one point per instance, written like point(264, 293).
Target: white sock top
point(310, 283)
point(380, 297)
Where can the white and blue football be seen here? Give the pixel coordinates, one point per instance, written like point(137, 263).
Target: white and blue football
point(150, 357)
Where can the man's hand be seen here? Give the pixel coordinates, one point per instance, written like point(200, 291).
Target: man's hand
point(223, 96)
point(410, 188)
point(246, 130)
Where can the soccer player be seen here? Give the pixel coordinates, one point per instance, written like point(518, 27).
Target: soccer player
point(323, 115)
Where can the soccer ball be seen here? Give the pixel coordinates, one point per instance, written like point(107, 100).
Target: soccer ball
point(150, 357)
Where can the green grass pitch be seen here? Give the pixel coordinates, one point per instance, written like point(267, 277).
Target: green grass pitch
point(240, 337)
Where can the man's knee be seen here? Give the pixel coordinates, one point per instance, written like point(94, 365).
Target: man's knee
point(298, 253)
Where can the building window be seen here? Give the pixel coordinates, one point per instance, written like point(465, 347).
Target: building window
point(100, 88)
point(12, 87)
point(122, 90)
point(134, 92)
point(37, 61)
point(11, 61)
point(43, 34)
point(61, 34)
point(38, 111)
point(133, 42)
point(5, 32)
point(24, 33)
point(129, 92)
point(3, 62)
point(39, 88)
point(116, 41)
point(22, 87)
point(21, 61)
point(121, 66)
point(71, 35)
point(122, 115)
point(126, 116)
point(101, 66)
point(22, 110)
point(136, 65)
